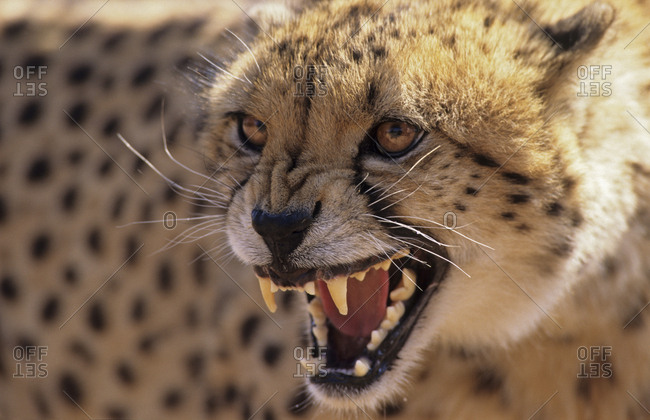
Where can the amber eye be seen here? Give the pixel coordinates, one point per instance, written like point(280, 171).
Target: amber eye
point(252, 132)
point(396, 137)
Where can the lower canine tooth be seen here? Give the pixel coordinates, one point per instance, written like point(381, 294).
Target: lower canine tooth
point(267, 293)
point(310, 288)
point(338, 288)
point(376, 337)
point(361, 367)
point(405, 291)
point(320, 332)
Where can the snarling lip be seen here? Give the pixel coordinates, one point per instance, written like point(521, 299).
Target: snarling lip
point(361, 314)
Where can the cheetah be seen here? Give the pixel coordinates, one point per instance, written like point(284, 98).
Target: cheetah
point(327, 209)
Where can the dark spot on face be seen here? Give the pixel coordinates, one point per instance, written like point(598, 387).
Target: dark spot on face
point(230, 394)
point(114, 40)
point(70, 275)
point(143, 75)
point(81, 351)
point(42, 405)
point(516, 178)
point(248, 329)
point(459, 207)
point(518, 198)
point(138, 309)
point(195, 364)
point(576, 219)
point(554, 209)
point(487, 22)
point(118, 206)
point(271, 354)
point(470, 191)
point(69, 199)
point(508, 215)
point(15, 29)
point(50, 309)
point(131, 249)
point(153, 110)
point(97, 317)
point(379, 52)
point(158, 33)
point(80, 74)
point(198, 268)
point(117, 413)
point(562, 249)
point(568, 183)
point(105, 168)
point(4, 210)
point(125, 373)
point(72, 391)
point(40, 246)
point(583, 388)
point(111, 126)
point(172, 399)
point(282, 46)
point(485, 161)
point(39, 170)
point(487, 381)
point(8, 288)
point(30, 113)
point(75, 157)
point(610, 265)
point(211, 403)
point(165, 278)
point(94, 240)
point(523, 227)
point(78, 113)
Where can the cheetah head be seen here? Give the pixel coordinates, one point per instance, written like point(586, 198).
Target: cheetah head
point(401, 165)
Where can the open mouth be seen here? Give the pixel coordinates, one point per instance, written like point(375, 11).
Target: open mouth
point(361, 314)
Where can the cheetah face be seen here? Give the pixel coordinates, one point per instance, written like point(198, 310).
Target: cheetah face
point(404, 174)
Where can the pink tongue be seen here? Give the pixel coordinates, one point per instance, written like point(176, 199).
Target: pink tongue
point(366, 304)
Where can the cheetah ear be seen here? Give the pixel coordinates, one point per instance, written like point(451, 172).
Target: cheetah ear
point(266, 16)
point(581, 32)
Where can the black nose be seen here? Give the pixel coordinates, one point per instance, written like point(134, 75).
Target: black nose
point(282, 232)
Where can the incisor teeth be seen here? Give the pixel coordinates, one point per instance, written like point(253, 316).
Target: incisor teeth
point(338, 288)
point(274, 287)
point(310, 288)
point(320, 332)
point(361, 367)
point(267, 293)
point(384, 265)
point(407, 287)
point(393, 315)
point(360, 275)
point(376, 337)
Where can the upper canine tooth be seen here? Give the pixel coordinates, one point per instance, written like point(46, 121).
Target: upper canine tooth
point(310, 288)
point(267, 293)
point(338, 288)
